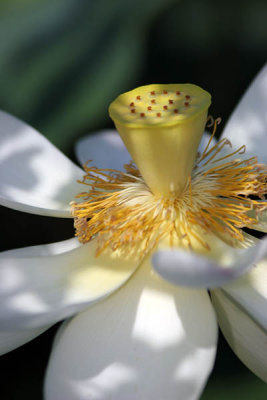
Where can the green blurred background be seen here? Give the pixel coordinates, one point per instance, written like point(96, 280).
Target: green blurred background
point(63, 61)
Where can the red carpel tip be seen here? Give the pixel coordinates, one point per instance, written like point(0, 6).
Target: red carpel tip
point(142, 115)
point(158, 114)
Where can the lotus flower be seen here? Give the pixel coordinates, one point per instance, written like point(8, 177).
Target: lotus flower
point(150, 241)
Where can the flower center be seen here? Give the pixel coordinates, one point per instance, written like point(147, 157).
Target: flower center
point(121, 211)
point(175, 194)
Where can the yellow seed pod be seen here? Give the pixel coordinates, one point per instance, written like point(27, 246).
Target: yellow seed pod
point(161, 126)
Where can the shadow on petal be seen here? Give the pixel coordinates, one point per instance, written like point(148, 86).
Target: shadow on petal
point(140, 343)
point(34, 176)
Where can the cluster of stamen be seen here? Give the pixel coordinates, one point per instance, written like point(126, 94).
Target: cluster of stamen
point(120, 211)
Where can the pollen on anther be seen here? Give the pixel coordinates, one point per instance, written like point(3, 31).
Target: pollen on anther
point(132, 104)
point(153, 101)
point(158, 114)
point(165, 107)
point(142, 115)
point(138, 97)
point(149, 108)
point(170, 101)
point(133, 110)
point(175, 111)
point(153, 93)
point(178, 93)
point(186, 104)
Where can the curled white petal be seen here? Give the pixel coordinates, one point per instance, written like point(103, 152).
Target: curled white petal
point(188, 268)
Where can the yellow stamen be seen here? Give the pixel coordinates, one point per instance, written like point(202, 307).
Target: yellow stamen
point(121, 211)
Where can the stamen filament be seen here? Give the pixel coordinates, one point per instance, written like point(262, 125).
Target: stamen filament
point(121, 211)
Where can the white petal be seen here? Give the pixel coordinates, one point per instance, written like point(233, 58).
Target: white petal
point(220, 265)
point(43, 249)
point(34, 176)
point(39, 286)
point(248, 123)
point(104, 148)
point(11, 340)
point(246, 337)
point(148, 341)
point(250, 292)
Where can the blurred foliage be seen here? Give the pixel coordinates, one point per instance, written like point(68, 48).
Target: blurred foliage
point(63, 61)
point(244, 387)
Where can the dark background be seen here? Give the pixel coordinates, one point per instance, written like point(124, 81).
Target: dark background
point(63, 61)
